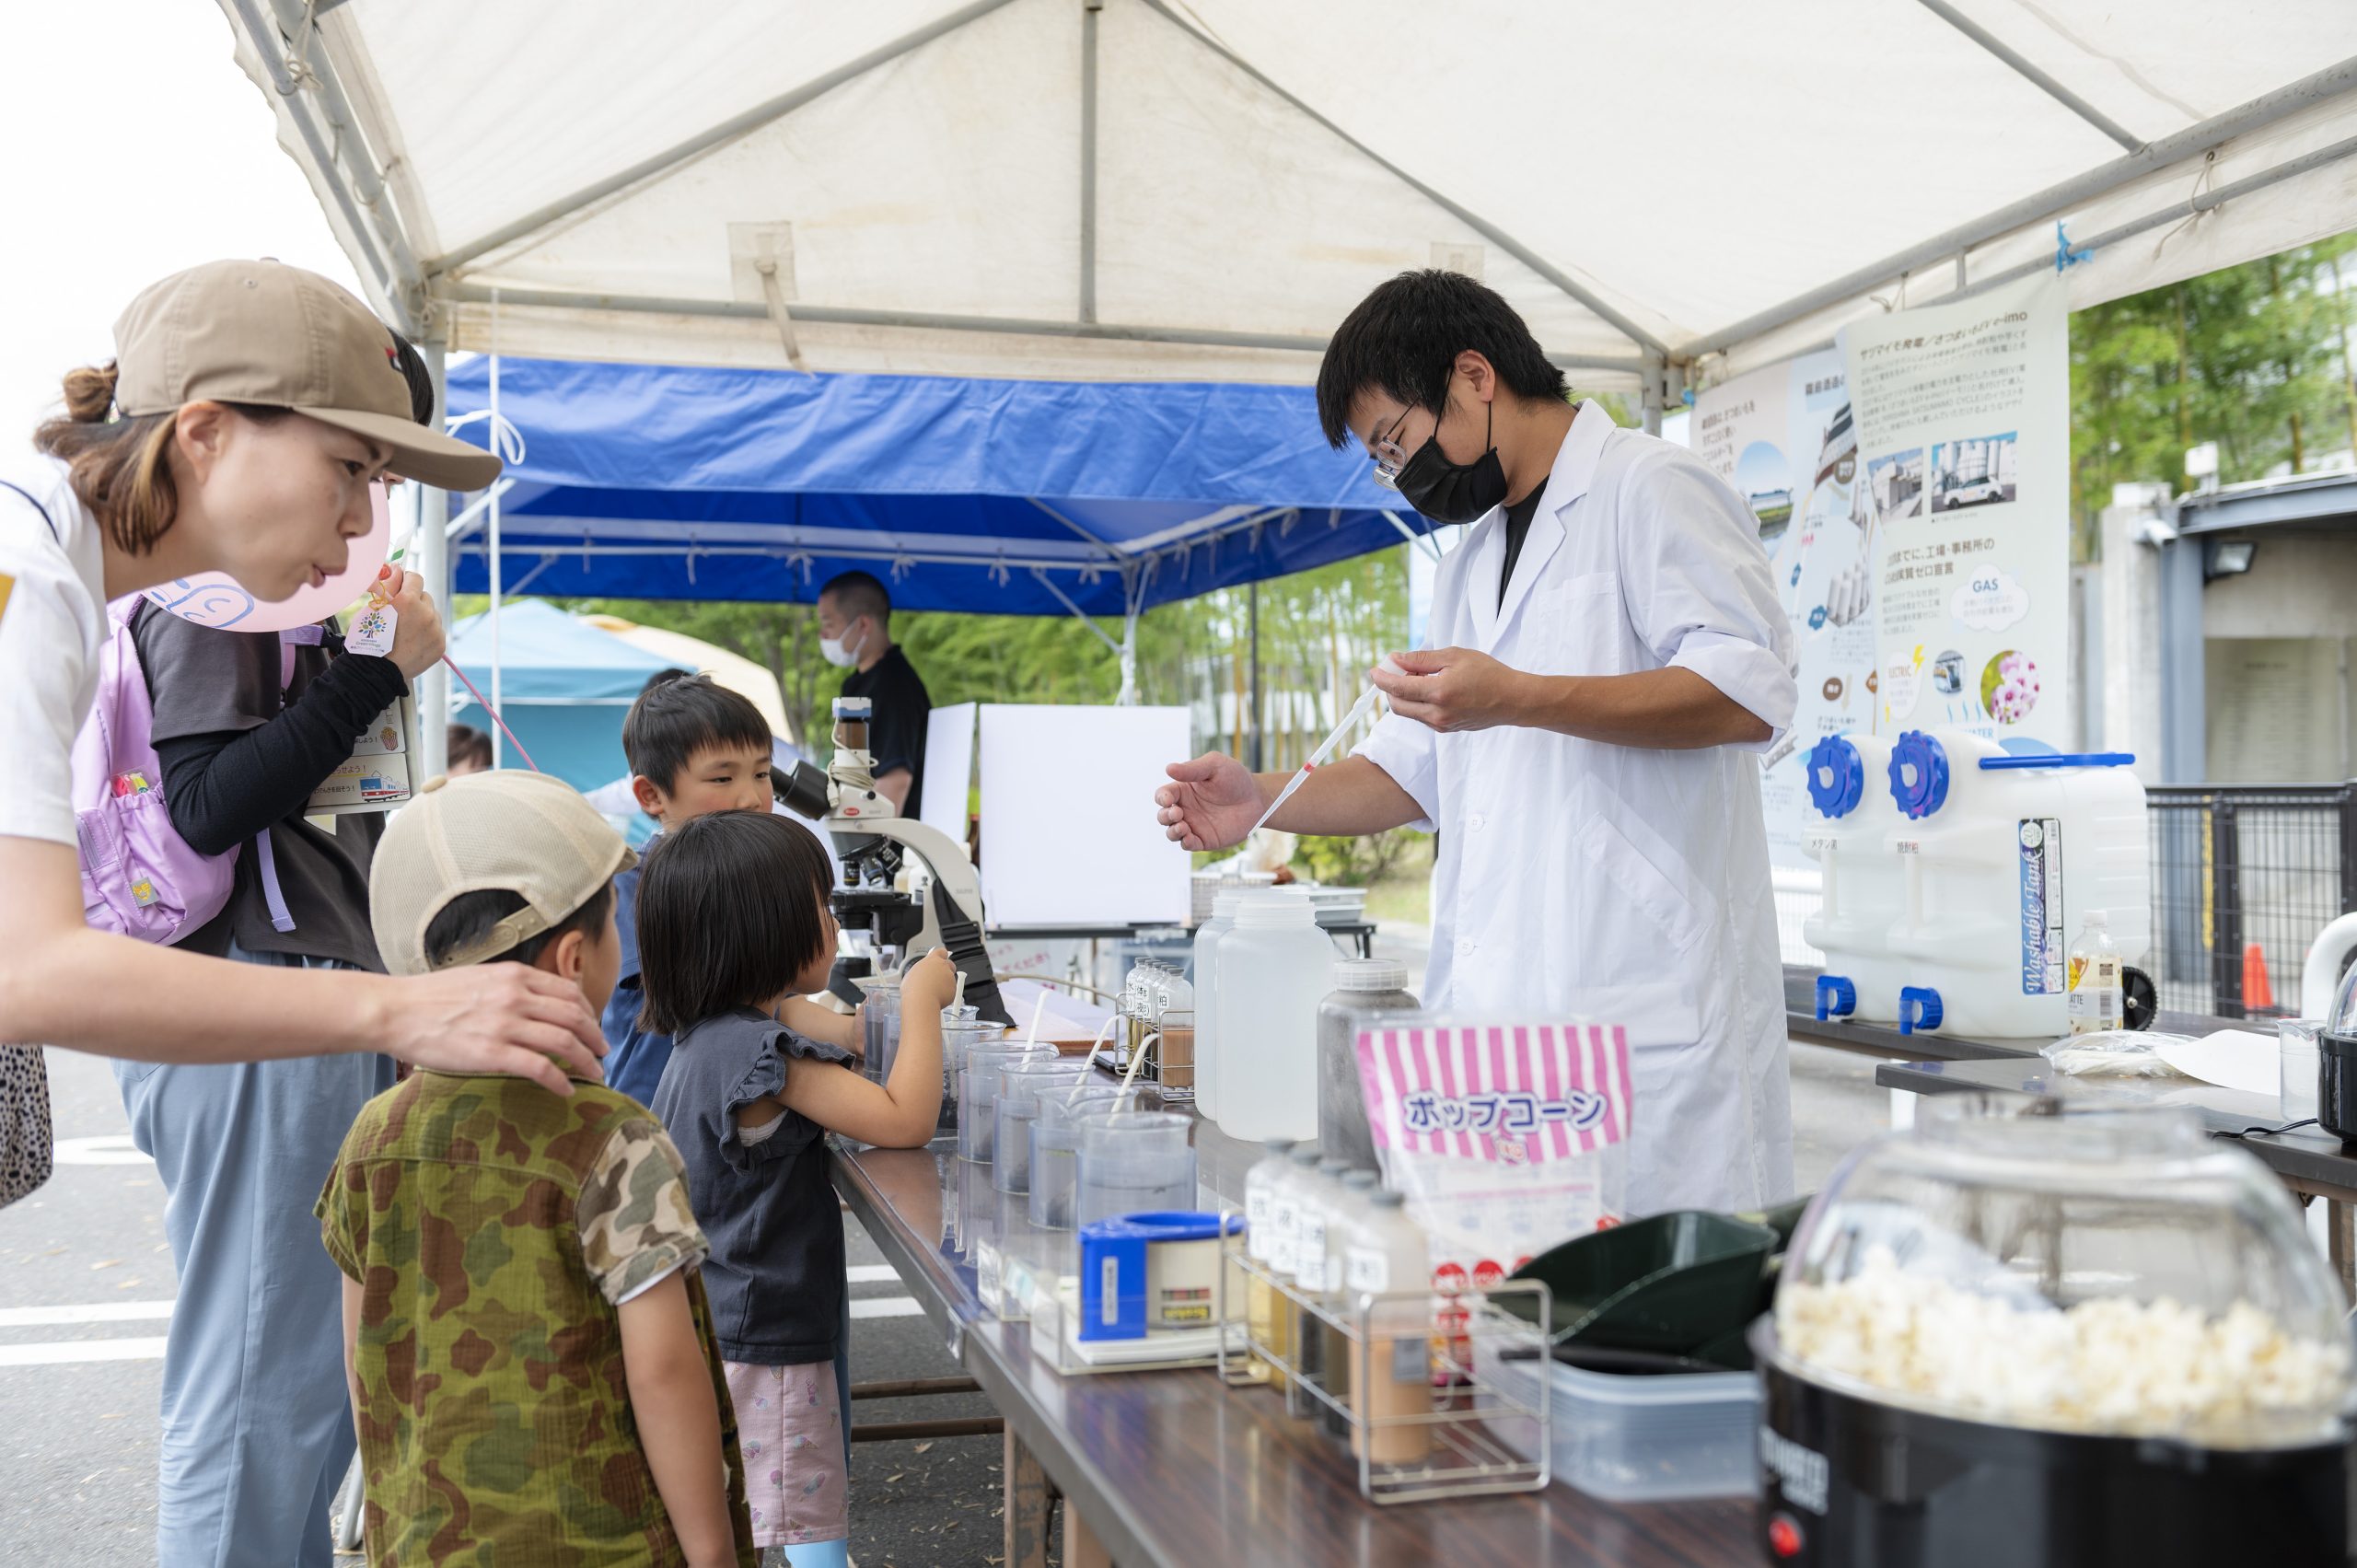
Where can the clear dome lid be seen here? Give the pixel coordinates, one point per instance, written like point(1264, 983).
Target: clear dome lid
point(2109, 1271)
point(2343, 1019)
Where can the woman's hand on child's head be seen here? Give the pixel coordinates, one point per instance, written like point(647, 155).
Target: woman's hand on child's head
point(932, 983)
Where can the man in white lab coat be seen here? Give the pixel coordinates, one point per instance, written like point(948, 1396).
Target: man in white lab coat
point(1607, 660)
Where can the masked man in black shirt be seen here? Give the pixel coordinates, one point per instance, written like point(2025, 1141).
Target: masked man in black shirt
point(856, 631)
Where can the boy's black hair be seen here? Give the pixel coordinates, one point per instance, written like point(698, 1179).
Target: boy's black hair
point(468, 744)
point(468, 919)
point(679, 715)
point(412, 365)
point(860, 593)
point(1403, 339)
point(728, 913)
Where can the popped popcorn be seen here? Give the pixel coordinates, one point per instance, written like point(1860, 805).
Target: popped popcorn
point(2110, 1365)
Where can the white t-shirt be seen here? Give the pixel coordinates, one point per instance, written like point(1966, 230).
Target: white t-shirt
point(52, 626)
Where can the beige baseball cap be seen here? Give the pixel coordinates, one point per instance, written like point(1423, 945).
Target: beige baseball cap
point(518, 832)
point(265, 332)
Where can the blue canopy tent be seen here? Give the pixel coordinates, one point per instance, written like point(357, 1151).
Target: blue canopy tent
point(563, 688)
point(1004, 497)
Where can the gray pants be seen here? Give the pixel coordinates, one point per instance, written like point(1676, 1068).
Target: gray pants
point(257, 1428)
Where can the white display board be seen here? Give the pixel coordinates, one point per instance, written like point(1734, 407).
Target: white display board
point(948, 769)
point(1068, 831)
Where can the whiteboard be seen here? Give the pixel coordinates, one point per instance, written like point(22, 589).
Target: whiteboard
point(1068, 831)
point(948, 769)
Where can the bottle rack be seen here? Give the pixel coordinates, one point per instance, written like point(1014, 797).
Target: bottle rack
point(1473, 1437)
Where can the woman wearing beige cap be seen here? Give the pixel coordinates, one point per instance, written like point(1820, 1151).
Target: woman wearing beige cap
point(248, 407)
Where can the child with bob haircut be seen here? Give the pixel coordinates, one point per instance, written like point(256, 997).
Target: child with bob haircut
point(733, 924)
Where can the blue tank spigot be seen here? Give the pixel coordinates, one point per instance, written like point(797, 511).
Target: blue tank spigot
point(1919, 773)
point(1836, 997)
point(1837, 777)
point(1923, 1004)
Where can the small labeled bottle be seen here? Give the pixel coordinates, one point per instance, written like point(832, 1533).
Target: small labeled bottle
point(1317, 1215)
point(1261, 1241)
point(1389, 1260)
point(2092, 998)
point(1342, 1220)
point(1295, 1188)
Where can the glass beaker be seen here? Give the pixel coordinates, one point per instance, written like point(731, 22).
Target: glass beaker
point(1135, 1162)
point(880, 1026)
point(977, 1094)
point(1021, 1084)
point(961, 1030)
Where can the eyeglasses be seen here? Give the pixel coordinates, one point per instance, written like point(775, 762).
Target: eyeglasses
point(1388, 458)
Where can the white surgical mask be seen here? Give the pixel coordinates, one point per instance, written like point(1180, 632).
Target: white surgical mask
point(833, 650)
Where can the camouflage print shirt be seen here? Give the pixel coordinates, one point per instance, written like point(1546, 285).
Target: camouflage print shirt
point(493, 1227)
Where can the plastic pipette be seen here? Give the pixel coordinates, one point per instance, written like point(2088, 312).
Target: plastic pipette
point(1359, 710)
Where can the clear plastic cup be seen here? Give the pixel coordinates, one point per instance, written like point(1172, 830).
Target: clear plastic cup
point(1021, 1085)
point(1135, 1162)
point(977, 1094)
point(880, 1026)
point(961, 1030)
point(1055, 1146)
point(2295, 1038)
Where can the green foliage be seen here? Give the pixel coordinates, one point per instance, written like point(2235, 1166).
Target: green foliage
point(2253, 358)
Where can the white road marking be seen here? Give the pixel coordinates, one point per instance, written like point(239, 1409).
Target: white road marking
point(887, 1307)
point(870, 1274)
point(62, 1351)
point(87, 1312)
point(107, 1148)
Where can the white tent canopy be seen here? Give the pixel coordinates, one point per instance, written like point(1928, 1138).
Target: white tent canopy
point(1200, 188)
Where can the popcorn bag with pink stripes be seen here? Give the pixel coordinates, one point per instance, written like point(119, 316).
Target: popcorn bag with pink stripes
point(1505, 1137)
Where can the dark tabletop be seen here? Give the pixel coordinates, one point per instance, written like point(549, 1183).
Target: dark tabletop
point(2303, 1155)
point(1172, 1467)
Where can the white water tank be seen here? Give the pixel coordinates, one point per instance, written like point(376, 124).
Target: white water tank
point(1847, 825)
point(2002, 855)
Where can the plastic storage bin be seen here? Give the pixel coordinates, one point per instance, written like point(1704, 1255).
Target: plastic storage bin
point(1637, 1438)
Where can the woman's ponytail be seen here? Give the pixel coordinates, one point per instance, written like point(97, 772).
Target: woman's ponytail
point(89, 393)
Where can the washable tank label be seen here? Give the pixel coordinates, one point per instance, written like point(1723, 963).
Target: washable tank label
point(1802, 1474)
point(2044, 955)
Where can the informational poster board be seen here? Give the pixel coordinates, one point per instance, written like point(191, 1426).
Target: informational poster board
point(1963, 415)
point(1783, 438)
point(948, 769)
point(1069, 835)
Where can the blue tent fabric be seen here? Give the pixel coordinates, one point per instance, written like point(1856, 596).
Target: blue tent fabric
point(648, 482)
point(564, 687)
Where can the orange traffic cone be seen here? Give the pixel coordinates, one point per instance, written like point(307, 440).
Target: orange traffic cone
point(2257, 996)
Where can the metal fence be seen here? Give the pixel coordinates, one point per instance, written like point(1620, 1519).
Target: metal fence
point(2244, 876)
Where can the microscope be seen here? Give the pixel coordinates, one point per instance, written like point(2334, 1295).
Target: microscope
point(874, 842)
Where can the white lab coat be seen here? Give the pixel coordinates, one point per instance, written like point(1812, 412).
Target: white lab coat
point(1609, 882)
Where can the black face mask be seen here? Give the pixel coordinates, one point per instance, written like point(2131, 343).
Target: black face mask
point(1454, 493)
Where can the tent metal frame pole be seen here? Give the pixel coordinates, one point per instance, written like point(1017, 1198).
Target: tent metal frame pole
point(559, 299)
point(1472, 220)
point(1078, 614)
point(383, 250)
point(1089, 10)
point(2022, 68)
point(1252, 613)
point(1656, 375)
point(2258, 113)
point(783, 550)
point(460, 525)
point(2207, 202)
point(727, 131)
point(430, 551)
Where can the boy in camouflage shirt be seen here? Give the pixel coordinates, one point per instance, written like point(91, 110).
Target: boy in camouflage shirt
point(532, 1367)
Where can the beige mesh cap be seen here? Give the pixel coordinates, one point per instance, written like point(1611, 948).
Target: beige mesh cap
point(265, 332)
point(518, 832)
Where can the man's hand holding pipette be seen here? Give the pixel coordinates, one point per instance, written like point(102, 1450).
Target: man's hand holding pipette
point(1454, 688)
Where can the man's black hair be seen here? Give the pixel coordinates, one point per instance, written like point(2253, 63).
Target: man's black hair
point(860, 593)
point(1403, 340)
point(468, 919)
point(679, 715)
point(729, 911)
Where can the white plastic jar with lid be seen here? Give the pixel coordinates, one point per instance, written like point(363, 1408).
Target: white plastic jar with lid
point(1272, 969)
point(1207, 935)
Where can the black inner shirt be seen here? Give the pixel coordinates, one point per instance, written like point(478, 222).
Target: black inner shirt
point(1518, 516)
